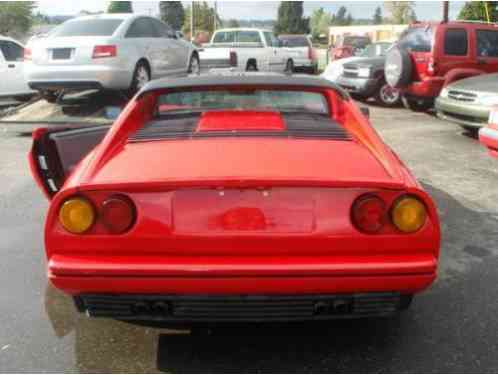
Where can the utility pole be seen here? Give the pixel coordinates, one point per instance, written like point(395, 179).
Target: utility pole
point(215, 15)
point(446, 11)
point(192, 21)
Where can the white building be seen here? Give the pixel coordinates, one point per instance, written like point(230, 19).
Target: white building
point(377, 33)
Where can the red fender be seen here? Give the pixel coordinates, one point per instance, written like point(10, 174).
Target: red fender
point(457, 74)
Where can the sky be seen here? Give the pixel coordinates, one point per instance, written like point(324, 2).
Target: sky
point(426, 10)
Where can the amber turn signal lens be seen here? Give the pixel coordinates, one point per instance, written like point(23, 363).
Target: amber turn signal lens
point(409, 214)
point(76, 215)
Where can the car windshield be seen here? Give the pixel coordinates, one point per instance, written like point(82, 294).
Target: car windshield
point(295, 41)
point(241, 99)
point(96, 27)
point(375, 50)
point(356, 41)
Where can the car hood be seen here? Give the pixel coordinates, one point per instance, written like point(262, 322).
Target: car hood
point(241, 161)
point(483, 83)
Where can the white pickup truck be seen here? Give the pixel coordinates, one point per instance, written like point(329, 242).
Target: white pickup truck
point(246, 49)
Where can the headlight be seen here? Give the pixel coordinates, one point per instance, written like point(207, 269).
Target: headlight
point(409, 214)
point(488, 100)
point(76, 215)
point(444, 93)
point(364, 72)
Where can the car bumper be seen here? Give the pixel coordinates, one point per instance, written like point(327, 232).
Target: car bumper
point(362, 86)
point(489, 138)
point(78, 77)
point(428, 88)
point(466, 114)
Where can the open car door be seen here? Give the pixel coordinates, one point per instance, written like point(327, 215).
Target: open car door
point(56, 151)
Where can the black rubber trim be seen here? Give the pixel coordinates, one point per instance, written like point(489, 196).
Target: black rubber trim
point(65, 85)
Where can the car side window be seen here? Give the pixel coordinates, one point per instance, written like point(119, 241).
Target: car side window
point(248, 37)
point(268, 39)
point(224, 37)
point(487, 43)
point(455, 42)
point(11, 51)
point(163, 30)
point(416, 39)
point(142, 28)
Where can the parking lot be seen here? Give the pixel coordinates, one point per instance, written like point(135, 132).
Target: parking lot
point(450, 328)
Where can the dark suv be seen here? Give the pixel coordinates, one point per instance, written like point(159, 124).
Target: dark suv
point(429, 56)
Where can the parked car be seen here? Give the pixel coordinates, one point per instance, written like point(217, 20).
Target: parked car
point(430, 56)
point(11, 70)
point(335, 68)
point(109, 51)
point(364, 77)
point(246, 49)
point(305, 55)
point(468, 102)
point(488, 135)
point(349, 45)
point(308, 215)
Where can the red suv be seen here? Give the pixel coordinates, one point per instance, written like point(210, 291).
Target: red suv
point(429, 56)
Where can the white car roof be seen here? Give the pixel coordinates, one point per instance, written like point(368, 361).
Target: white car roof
point(121, 16)
point(242, 29)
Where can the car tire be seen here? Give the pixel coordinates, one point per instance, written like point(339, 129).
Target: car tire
point(289, 67)
point(417, 104)
point(398, 68)
point(251, 67)
point(471, 130)
point(387, 96)
point(194, 66)
point(141, 75)
point(50, 96)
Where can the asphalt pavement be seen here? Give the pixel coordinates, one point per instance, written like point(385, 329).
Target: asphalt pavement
point(452, 327)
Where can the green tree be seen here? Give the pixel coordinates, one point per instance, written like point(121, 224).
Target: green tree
point(377, 18)
point(342, 18)
point(172, 13)
point(16, 17)
point(401, 12)
point(120, 7)
point(290, 18)
point(476, 11)
point(203, 18)
point(320, 22)
point(233, 23)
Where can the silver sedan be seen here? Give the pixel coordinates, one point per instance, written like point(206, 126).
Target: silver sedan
point(109, 51)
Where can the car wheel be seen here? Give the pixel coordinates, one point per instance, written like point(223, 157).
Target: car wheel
point(289, 67)
point(141, 76)
point(398, 67)
point(194, 65)
point(50, 96)
point(251, 68)
point(387, 95)
point(471, 130)
point(417, 104)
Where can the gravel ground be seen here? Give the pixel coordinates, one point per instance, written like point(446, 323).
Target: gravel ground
point(450, 328)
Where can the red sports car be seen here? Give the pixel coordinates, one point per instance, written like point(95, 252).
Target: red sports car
point(489, 134)
point(234, 198)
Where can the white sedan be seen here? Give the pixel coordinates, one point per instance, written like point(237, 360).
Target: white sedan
point(108, 51)
point(11, 70)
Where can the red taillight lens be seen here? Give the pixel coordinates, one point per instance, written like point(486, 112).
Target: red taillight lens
point(27, 54)
point(233, 58)
point(104, 51)
point(369, 214)
point(117, 214)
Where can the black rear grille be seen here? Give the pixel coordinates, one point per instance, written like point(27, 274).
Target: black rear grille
point(239, 308)
point(297, 126)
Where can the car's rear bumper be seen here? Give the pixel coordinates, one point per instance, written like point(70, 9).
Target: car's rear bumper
point(242, 275)
point(467, 114)
point(76, 77)
point(427, 88)
point(226, 308)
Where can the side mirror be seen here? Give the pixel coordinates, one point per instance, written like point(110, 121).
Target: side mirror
point(365, 111)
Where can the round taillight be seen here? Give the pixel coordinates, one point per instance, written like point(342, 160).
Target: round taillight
point(408, 214)
point(76, 215)
point(117, 214)
point(369, 214)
